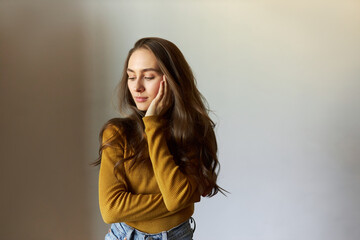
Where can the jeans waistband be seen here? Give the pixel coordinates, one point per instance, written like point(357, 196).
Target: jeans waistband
point(132, 233)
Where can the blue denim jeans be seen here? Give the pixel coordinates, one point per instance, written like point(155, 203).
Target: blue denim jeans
point(119, 231)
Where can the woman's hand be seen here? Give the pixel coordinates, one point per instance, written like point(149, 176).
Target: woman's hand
point(161, 101)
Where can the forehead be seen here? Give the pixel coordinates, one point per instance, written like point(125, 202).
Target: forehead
point(141, 59)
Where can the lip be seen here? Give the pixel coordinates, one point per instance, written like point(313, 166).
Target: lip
point(140, 99)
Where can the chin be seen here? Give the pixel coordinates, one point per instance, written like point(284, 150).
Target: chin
point(142, 108)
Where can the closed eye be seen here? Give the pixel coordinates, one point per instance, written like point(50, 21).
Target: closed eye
point(149, 78)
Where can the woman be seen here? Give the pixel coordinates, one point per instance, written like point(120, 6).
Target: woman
point(158, 160)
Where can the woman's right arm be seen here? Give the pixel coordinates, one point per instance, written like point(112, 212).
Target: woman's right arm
point(117, 204)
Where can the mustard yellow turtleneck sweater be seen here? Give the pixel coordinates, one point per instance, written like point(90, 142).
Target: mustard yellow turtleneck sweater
point(149, 199)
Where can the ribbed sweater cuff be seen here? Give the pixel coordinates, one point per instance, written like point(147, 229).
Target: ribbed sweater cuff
point(153, 122)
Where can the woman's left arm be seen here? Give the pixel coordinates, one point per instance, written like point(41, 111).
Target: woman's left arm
point(177, 188)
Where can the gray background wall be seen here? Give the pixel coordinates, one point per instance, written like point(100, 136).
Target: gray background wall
point(283, 80)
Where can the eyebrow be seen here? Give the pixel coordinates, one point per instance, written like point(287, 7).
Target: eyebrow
point(145, 70)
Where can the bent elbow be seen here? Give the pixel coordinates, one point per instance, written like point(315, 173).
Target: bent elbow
point(112, 209)
point(106, 215)
point(109, 214)
point(107, 220)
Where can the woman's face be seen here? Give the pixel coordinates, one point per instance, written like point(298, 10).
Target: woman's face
point(144, 77)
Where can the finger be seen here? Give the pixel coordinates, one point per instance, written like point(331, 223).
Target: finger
point(161, 92)
point(165, 87)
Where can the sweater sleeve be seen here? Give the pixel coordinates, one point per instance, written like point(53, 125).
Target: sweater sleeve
point(178, 190)
point(117, 204)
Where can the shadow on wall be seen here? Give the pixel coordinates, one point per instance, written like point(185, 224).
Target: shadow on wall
point(43, 178)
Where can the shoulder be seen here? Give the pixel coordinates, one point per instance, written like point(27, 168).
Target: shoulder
point(115, 130)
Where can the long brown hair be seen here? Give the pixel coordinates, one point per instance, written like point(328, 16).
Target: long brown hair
point(190, 131)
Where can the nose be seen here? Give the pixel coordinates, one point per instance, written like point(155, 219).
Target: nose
point(138, 86)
